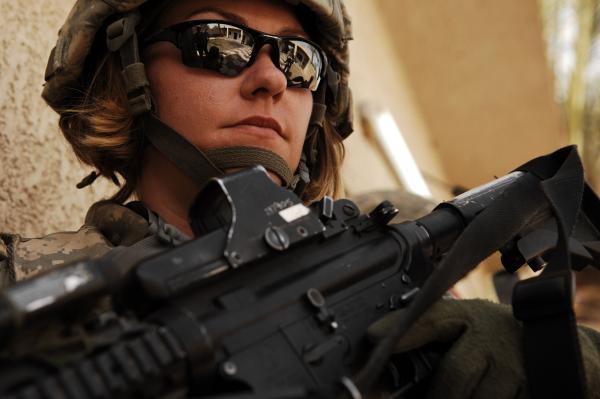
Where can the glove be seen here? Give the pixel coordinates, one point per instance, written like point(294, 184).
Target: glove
point(482, 350)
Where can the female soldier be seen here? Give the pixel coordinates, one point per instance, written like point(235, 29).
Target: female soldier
point(137, 98)
point(169, 94)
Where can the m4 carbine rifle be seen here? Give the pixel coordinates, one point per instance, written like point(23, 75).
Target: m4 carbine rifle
point(271, 300)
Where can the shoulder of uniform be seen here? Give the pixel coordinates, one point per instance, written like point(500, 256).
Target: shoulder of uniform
point(121, 225)
point(107, 225)
point(30, 256)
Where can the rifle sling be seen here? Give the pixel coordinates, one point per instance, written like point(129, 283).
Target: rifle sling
point(561, 189)
point(545, 303)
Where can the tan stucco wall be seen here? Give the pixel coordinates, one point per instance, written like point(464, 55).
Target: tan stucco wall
point(378, 78)
point(37, 171)
point(467, 82)
point(481, 82)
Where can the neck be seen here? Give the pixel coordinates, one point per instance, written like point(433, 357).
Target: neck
point(166, 190)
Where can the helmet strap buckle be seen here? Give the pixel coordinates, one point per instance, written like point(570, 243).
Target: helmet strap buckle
point(118, 32)
point(121, 36)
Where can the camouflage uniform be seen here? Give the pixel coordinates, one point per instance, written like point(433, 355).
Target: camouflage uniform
point(107, 226)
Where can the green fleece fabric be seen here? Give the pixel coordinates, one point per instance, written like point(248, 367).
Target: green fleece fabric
point(483, 350)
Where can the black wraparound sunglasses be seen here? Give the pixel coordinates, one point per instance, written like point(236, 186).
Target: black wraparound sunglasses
point(228, 48)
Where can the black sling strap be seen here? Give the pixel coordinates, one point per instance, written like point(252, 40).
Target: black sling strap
point(554, 181)
point(545, 303)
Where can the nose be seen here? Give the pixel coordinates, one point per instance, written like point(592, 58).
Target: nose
point(263, 78)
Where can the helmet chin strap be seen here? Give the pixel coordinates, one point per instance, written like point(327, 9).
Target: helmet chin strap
point(201, 165)
point(204, 165)
point(241, 156)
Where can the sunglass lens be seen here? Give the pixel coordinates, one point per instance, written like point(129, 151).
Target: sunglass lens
point(227, 49)
point(301, 63)
point(218, 47)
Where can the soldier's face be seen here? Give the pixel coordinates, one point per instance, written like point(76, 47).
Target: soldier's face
point(255, 108)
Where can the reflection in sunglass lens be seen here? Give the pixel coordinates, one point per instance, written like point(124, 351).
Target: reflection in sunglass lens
point(219, 47)
point(227, 49)
point(300, 62)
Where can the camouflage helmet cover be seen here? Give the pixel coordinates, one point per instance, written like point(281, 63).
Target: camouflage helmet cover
point(76, 37)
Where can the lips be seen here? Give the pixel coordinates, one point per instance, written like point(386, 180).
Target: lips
point(262, 122)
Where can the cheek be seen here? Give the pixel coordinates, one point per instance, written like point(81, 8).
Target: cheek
point(172, 88)
point(185, 100)
point(302, 112)
point(307, 104)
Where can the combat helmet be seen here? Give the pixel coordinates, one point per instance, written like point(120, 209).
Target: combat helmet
point(121, 21)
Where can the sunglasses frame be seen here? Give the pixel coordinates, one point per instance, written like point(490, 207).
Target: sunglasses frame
point(174, 34)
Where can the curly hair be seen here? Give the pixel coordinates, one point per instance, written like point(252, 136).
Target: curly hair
point(104, 134)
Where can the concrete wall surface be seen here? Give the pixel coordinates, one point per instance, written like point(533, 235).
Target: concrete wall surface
point(478, 72)
point(38, 173)
point(378, 78)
